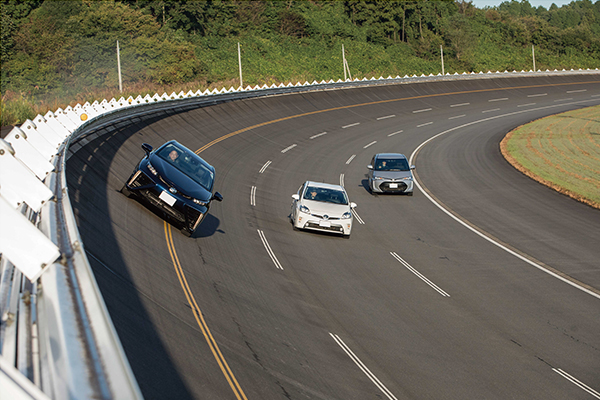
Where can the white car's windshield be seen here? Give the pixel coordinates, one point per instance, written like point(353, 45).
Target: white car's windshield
point(325, 195)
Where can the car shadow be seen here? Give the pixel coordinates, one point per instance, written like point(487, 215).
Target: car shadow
point(365, 184)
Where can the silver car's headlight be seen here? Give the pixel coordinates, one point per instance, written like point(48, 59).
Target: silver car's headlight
point(377, 177)
point(304, 209)
point(347, 215)
point(408, 178)
point(151, 168)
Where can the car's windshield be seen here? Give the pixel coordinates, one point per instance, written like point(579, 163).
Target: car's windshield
point(325, 195)
point(188, 163)
point(392, 164)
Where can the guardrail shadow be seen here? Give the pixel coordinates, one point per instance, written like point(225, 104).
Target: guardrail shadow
point(93, 172)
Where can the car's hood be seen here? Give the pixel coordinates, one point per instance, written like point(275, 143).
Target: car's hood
point(179, 180)
point(392, 174)
point(321, 208)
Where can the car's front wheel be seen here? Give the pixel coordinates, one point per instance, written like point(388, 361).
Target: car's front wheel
point(125, 190)
point(186, 232)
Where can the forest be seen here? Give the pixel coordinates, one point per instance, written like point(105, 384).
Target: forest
point(55, 53)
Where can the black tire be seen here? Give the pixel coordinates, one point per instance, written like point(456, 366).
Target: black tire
point(186, 232)
point(346, 236)
point(126, 191)
point(409, 193)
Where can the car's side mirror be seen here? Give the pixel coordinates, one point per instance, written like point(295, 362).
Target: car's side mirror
point(412, 167)
point(369, 166)
point(296, 196)
point(217, 196)
point(353, 205)
point(147, 148)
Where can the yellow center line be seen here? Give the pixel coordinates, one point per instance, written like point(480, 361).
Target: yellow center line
point(239, 393)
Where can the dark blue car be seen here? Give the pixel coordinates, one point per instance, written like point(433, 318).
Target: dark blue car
point(175, 180)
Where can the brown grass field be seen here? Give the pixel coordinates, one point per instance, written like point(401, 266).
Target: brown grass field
point(560, 151)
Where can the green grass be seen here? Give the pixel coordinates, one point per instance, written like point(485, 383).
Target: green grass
point(560, 151)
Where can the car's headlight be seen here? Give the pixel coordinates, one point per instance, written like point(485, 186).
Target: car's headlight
point(200, 202)
point(151, 168)
point(378, 177)
point(347, 215)
point(408, 178)
point(304, 209)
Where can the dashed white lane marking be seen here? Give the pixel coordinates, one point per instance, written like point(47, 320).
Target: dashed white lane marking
point(537, 95)
point(370, 144)
point(493, 109)
point(264, 167)
point(317, 135)
point(460, 105)
point(253, 196)
point(363, 367)
point(425, 124)
point(500, 99)
point(350, 159)
point(351, 125)
point(395, 133)
point(269, 250)
point(386, 117)
point(457, 116)
point(577, 91)
point(577, 382)
point(423, 110)
point(418, 274)
point(526, 105)
point(289, 148)
point(358, 218)
point(342, 180)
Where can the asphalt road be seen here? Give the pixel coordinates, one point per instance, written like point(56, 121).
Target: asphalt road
point(413, 306)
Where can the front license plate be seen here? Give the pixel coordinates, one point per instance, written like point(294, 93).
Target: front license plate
point(325, 224)
point(167, 198)
point(393, 186)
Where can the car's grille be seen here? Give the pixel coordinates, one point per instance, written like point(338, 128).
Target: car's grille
point(141, 180)
point(332, 228)
point(153, 198)
point(323, 217)
point(385, 186)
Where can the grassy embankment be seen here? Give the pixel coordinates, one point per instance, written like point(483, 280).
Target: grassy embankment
point(561, 151)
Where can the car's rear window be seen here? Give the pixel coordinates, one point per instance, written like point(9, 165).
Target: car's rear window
point(325, 195)
point(392, 164)
point(188, 163)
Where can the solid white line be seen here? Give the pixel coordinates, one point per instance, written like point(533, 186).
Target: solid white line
point(418, 274)
point(358, 218)
point(348, 126)
point(350, 159)
point(537, 95)
point(268, 248)
point(387, 116)
point(501, 99)
point(363, 367)
point(484, 236)
point(595, 95)
point(458, 116)
point(342, 180)
point(525, 105)
point(460, 105)
point(425, 124)
point(493, 109)
point(577, 91)
point(395, 133)
point(317, 135)
point(570, 98)
point(423, 110)
point(264, 167)
point(577, 382)
point(289, 148)
point(253, 196)
point(370, 144)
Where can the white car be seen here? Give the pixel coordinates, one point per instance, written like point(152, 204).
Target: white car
point(322, 207)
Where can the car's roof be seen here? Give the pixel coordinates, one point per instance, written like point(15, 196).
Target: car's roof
point(324, 185)
point(390, 155)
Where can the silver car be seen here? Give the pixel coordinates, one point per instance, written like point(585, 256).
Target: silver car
point(390, 173)
point(322, 207)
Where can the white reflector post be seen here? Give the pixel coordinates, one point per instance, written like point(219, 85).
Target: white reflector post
point(17, 183)
point(23, 244)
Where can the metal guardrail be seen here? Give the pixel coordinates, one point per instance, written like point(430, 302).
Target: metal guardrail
point(57, 340)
